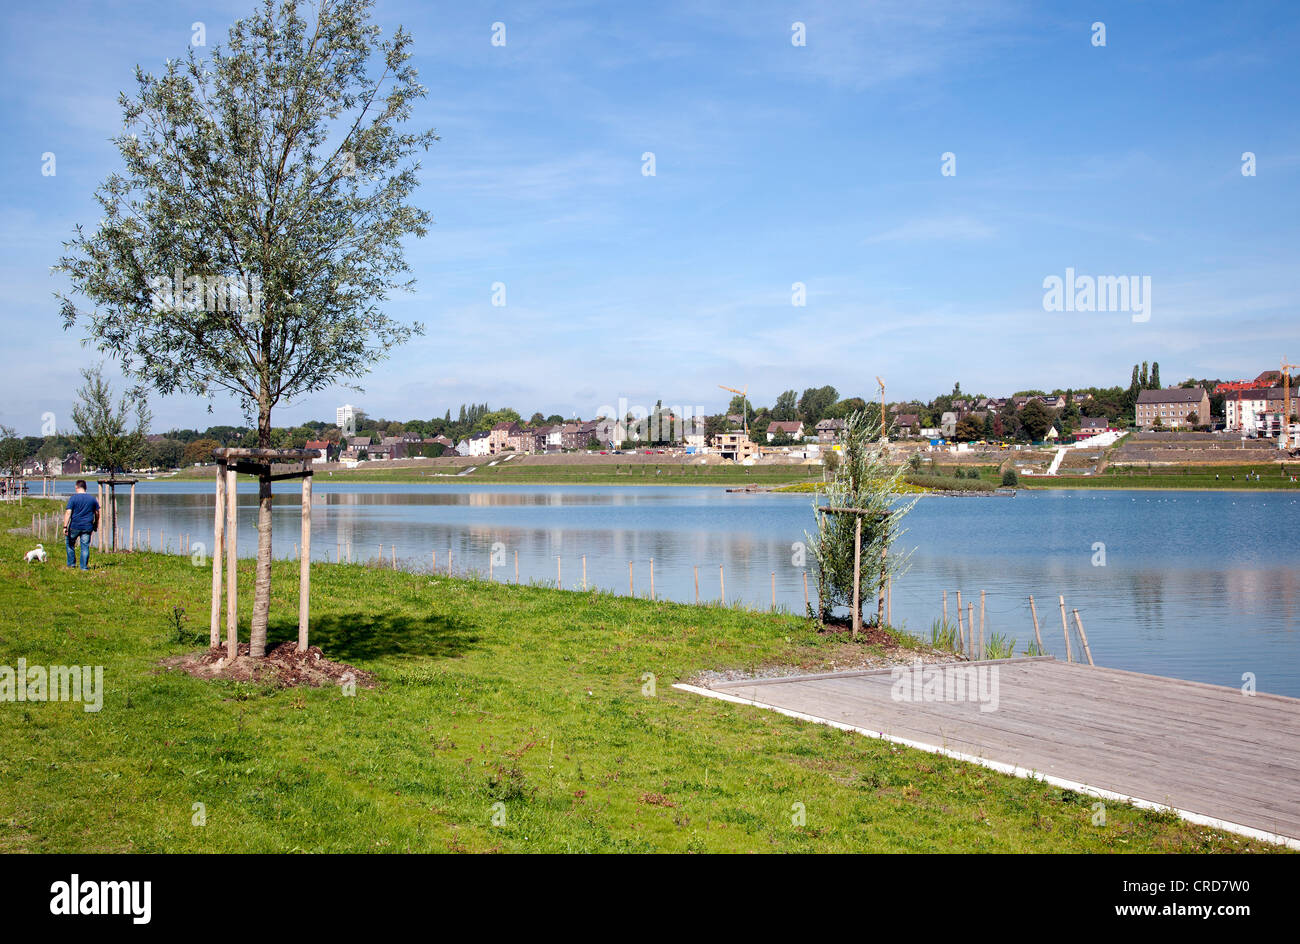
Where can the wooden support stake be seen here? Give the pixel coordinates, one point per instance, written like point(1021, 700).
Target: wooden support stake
point(218, 549)
point(629, 579)
point(697, 584)
point(304, 569)
point(435, 562)
point(584, 571)
point(1038, 637)
point(981, 624)
point(232, 583)
point(1083, 637)
point(970, 622)
point(774, 591)
point(805, 591)
point(722, 587)
point(516, 567)
point(652, 578)
point(559, 578)
point(491, 572)
point(393, 548)
point(1069, 657)
point(945, 609)
point(857, 574)
point(961, 630)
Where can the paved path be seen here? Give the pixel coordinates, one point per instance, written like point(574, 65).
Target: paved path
point(1215, 755)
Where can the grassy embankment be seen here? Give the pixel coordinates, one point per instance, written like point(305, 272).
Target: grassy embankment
point(524, 696)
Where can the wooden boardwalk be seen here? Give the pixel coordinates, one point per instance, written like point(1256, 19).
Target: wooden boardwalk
point(1215, 755)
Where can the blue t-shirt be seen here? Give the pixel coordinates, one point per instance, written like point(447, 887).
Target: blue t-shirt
point(83, 506)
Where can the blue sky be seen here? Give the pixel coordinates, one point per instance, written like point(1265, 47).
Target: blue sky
point(775, 164)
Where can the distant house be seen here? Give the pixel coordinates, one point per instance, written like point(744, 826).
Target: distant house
point(498, 436)
point(829, 431)
point(1091, 426)
point(791, 428)
point(1256, 411)
point(71, 464)
point(479, 444)
point(320, 447)
point(907, 423)
point(1171, 406)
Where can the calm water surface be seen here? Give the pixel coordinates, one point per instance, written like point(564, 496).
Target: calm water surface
point(1196, 585)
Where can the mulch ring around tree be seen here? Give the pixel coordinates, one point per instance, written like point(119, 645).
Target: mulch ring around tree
point(869, 634)
point(284, 667)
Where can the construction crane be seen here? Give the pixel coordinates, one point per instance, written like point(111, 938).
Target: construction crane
point(744, 407)
point(882, 407)
point(1285, 441)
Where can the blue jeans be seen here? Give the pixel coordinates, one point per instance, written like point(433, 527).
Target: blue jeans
point(84, 538)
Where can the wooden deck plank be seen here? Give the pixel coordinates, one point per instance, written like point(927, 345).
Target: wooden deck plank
point(1202, 749)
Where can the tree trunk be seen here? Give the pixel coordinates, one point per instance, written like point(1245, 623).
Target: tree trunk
point(262, 586)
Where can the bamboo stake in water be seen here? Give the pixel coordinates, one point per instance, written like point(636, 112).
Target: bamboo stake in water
point(1069, 656)
point(1083, 637)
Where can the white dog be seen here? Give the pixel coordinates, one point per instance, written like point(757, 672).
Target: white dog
point(37, 555)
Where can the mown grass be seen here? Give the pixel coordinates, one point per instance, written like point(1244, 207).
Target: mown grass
point(488, 694)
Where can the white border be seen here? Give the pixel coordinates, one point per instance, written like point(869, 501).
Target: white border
point(1199, 819)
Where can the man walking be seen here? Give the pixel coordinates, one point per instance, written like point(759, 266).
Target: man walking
point(80, 520)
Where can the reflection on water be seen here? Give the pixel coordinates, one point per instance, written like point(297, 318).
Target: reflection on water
point(1197, 585)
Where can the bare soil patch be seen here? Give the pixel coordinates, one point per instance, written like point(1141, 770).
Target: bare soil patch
point(284, 667)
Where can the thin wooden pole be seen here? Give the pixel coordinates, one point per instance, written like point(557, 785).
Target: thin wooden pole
point(889, 600)
point(559, 572)
point(1069, 657)
point(218, 549)
point(697, 584)
point(584, 571)
point(981, 624)
point(961, 630)
point(304, 569)
point(491, 573)
point(435, 562)
point(232, 583)
point(970, 622)
point(1083, 637)
point(945, 608)
point(1033, 610)
point(133, 517)
point(102, 517)
point(393, 548)
point(652, 578)
point(516, 567)
point(148, 539)
point(774, 591)
point(448, 562)
point(805, 591)
point(629, 579)
point(722, 587)
point(857, 574)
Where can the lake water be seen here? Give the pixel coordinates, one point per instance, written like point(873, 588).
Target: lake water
point(1196, 585)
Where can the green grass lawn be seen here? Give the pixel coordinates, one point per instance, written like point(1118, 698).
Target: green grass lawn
point(1271, 477)
point(522, 696)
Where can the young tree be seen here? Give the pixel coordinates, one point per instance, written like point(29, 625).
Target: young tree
point(257, 226)
point(1155, 375)
point(1036, 420)
point(862, 478)
point(104, 435)
point(13, 450)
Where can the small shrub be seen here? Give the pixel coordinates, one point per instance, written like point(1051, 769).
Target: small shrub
point(1010, 479)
